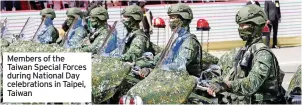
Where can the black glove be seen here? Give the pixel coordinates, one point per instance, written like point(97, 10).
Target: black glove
point(218, 87)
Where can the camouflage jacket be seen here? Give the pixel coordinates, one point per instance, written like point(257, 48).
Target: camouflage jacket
point(135, 45)
point(189, 54)
point(48, 35)
point(207, 60)
point(259, 79)
point(226, 62)
point(185, 52)
point(75, 37)
point(97, 40)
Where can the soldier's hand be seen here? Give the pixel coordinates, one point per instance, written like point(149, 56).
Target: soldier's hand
point(144, 72)
point(218, 87)
point(211, 92)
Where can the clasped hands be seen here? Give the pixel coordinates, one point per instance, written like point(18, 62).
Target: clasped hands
point(217, 87)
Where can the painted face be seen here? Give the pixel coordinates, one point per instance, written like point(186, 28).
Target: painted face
point(245, 31)
point(126, 21)
point(95, 22)
point(174, 20)
point(69, 20)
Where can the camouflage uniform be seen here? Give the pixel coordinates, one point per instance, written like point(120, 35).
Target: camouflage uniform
point(255, 76)
point(49, 34)
point(183, 61)
point(136, 42)
point(99, 21)
point(186, 50)
point(77, 33)
point(226, 61)
point(90, 7)
point(112, 71)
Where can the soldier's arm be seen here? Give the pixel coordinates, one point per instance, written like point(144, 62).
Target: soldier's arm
point(97, 43)
point(224, 64)
point(258, 74)
point(46, 37)
point(209, 58)
point(81, 33)
point(136, 49)
point(187, 52)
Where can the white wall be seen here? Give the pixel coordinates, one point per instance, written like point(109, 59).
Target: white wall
point(221, 17)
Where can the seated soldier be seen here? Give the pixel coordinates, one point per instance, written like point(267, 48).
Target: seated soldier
point(98, 18)
point(255, 77)
point(76, 31)
point(187, 49)
point(49, 34)
point(136, 42)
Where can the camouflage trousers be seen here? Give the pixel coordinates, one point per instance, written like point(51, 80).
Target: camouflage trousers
point(199, 99)
point(230, 98)
point(125, 86)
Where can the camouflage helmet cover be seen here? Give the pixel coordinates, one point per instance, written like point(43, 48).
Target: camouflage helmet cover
point(99, 12)
point(48, 12)
point(181, 9)
point(76, 12)
point(251, 13)
point(133, 11)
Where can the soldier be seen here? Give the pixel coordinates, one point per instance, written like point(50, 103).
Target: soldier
point(186, 51)
point(98, 18)
point(182, 61)
point(77, 32)
point(136, 42)
point(49, 34)
point(91, 6)
point(255, 77)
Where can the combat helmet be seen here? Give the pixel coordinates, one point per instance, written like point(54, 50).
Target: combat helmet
point(133, 11)
point(181, 9)
point(100, 13)
point(251, 14)
point(48, 12)
point(76, 12)
point(91, 6)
